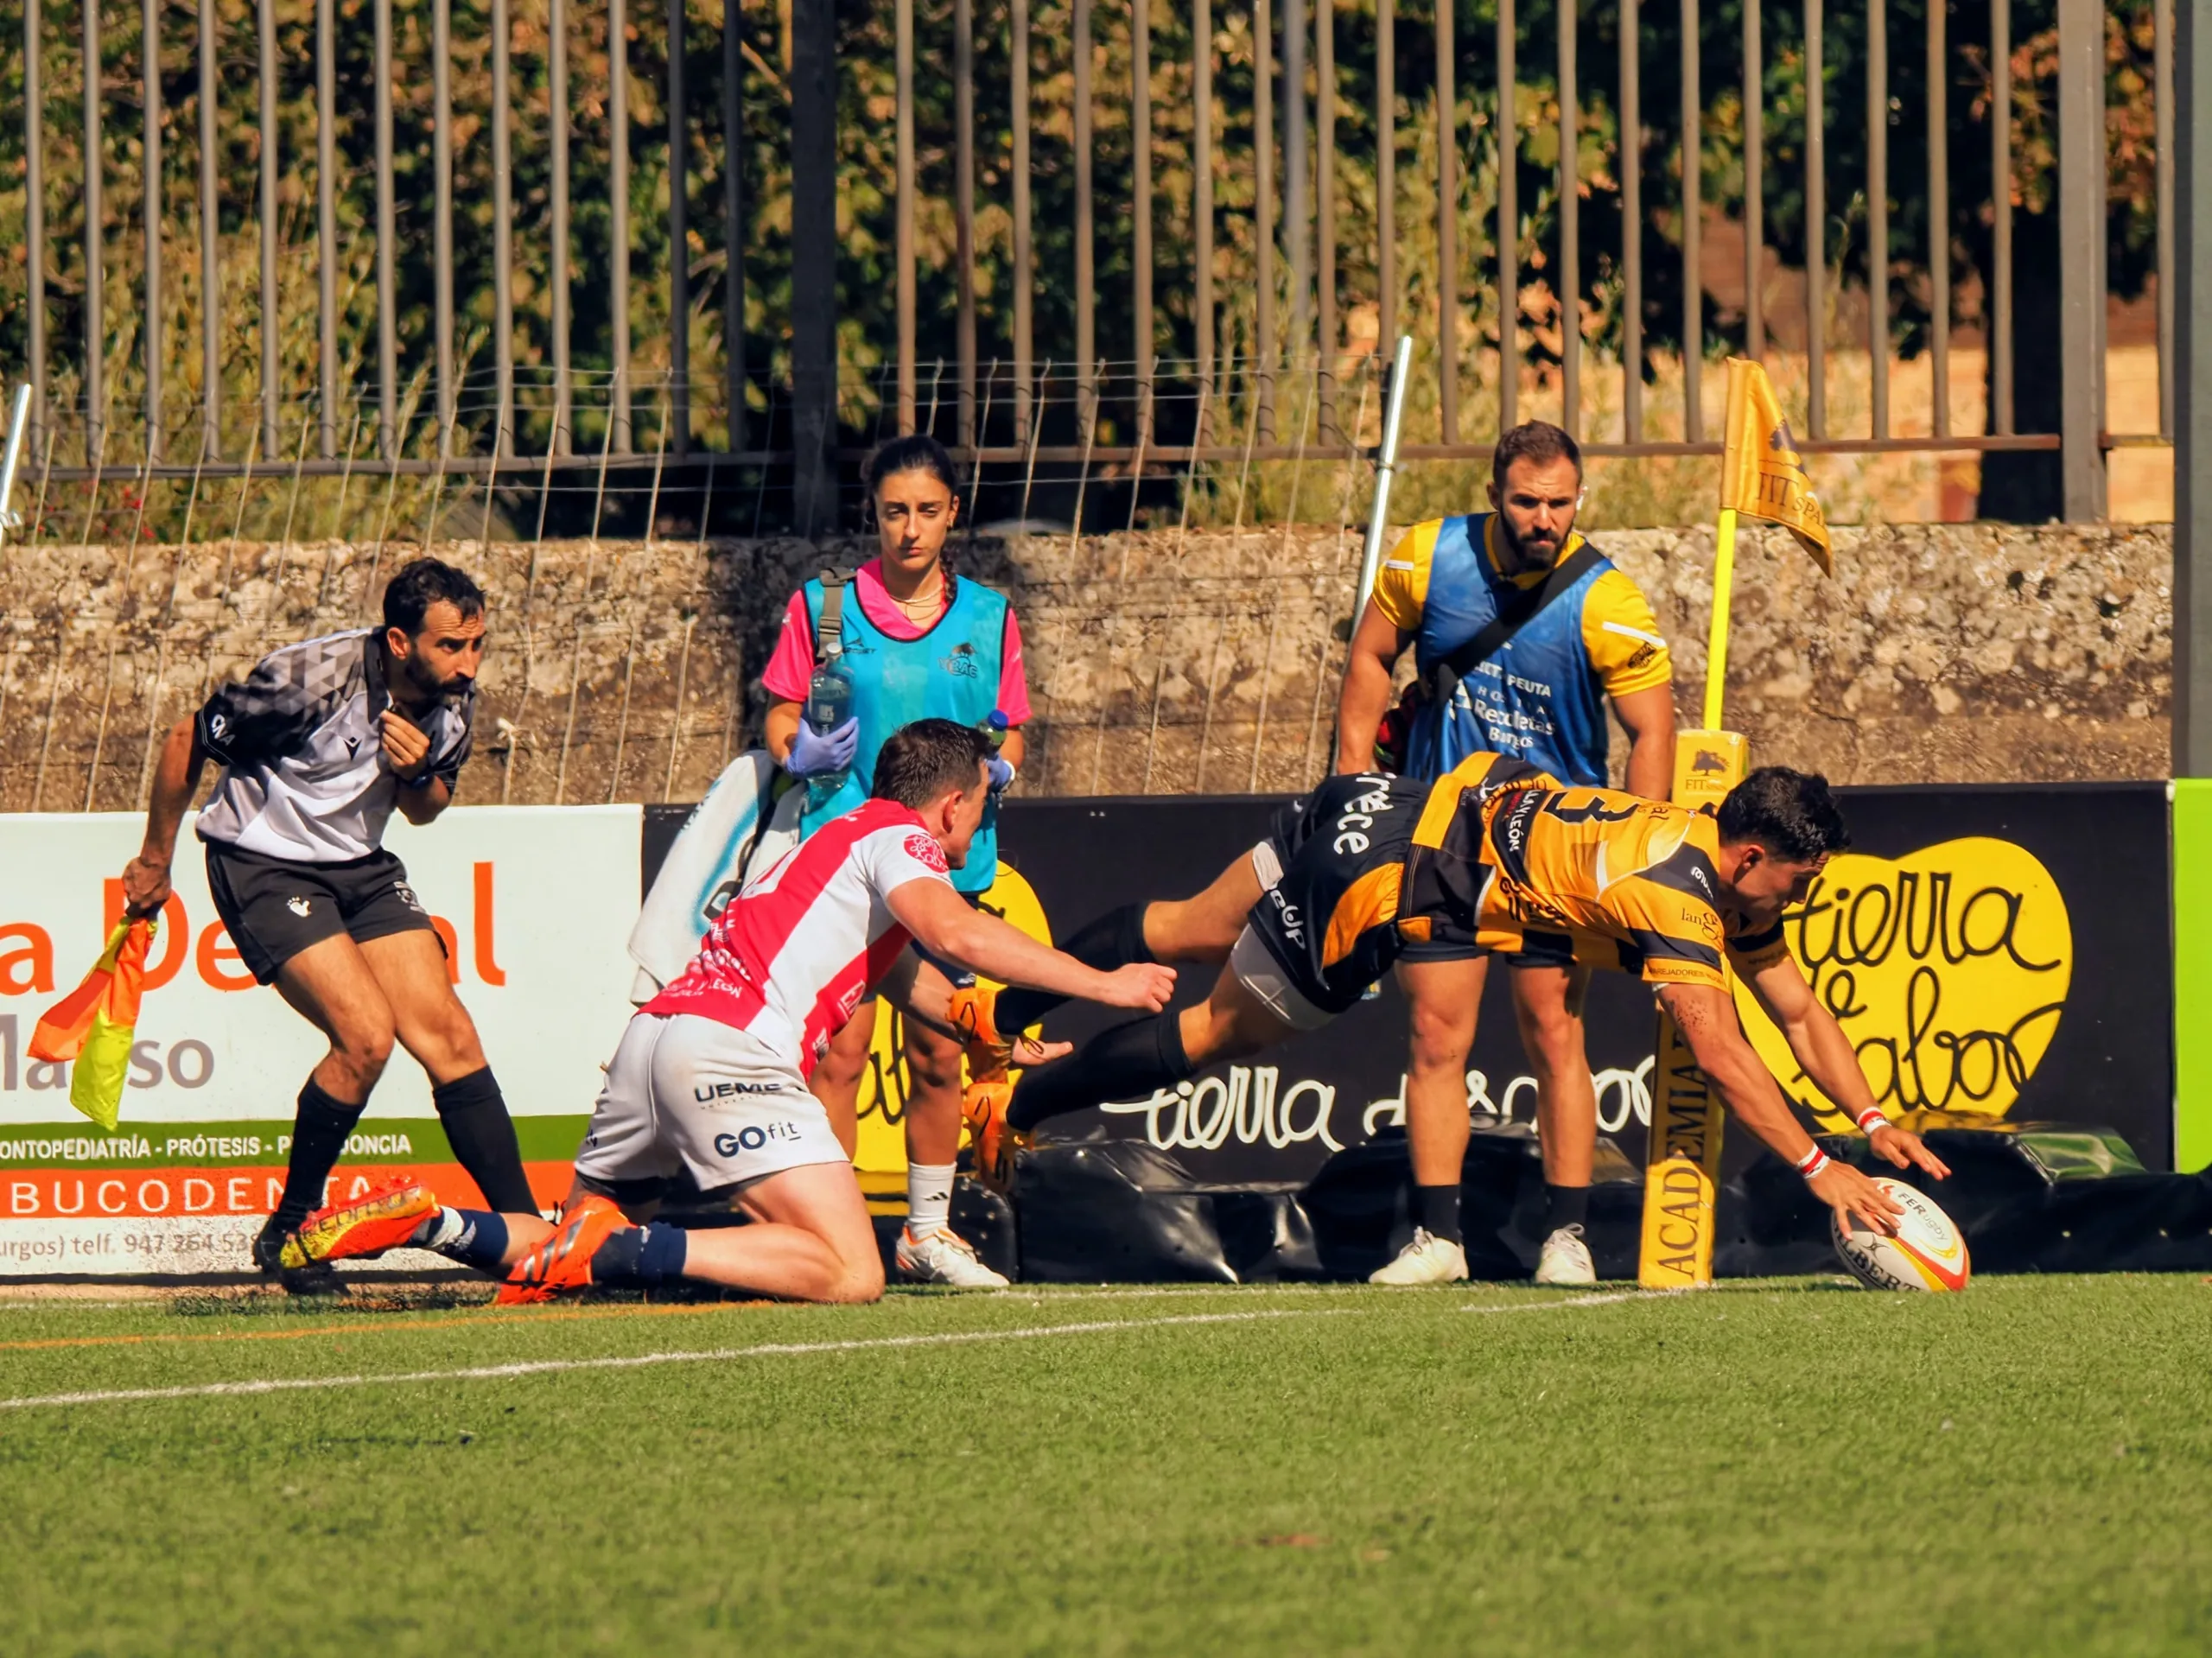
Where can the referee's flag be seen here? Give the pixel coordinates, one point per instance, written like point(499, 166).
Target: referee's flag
point(1762, 476)
point(92, 1024)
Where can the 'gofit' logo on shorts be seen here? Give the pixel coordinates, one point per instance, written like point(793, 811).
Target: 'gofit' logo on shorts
point(753, 1138)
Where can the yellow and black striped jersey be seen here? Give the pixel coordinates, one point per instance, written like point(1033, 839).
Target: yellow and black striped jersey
point(1626, 884)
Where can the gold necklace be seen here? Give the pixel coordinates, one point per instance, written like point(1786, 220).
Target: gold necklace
point(922, 606)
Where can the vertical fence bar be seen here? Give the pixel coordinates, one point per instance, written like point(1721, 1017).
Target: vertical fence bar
point(2161, 96)
point(1386, 173)
point(1448, 228)
point(618, 253)
point(1086, 305)
point(1877, 211)
point(441, 214)
point(1325, 204)
point(271, 344)
point(903, 243)
point(1754, 184)
point(557, 93)
point(1509, 224)
point(390, 439)
point(1939, 215)
point(1692, 123)
point(503, 253)
point(1631, 170)
point(326, 223)
point(1145, 351)
point(95, 241)
point(676, 415)
point(734, 220)
point(35, 208)
point(1024, 265)
point(1816, 224)
point(1297, 225)
point(1263, 213)
point(1202, 197)
point(1569, 283)
point(2082, 229)
point(964, 206)
point(151, 214)
point(2000, 177)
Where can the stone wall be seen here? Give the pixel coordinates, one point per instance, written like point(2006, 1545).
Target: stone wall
point(1158, 662)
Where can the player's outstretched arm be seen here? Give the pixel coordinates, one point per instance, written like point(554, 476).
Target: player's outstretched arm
point(943, 925)
point(917, 989)
point(176, 778)
point(1828, 1059)
point(1706, 1019)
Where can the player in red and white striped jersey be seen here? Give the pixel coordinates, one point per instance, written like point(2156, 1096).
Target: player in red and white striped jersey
point(709, 1083)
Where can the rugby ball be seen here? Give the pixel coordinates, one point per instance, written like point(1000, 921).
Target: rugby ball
point(1929, 1253)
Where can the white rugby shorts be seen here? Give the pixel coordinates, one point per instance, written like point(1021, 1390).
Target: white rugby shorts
point(687, 1094)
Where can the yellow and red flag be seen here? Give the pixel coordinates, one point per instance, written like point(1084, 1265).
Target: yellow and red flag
point(1762, 474)
point(93, 1023)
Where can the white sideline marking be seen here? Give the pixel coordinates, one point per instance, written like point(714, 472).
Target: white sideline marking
point(1573, 1301)
point(716, 1354)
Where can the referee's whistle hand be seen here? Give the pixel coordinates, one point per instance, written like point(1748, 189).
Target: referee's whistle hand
point(406, 746)
point(145, 887)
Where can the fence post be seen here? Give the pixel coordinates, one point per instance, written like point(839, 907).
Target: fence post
point(2192, 376)
point(2081, 255)
point(814, 266)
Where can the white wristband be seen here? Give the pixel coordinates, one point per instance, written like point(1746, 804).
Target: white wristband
point(1872, 1119)
point(1812, 1163)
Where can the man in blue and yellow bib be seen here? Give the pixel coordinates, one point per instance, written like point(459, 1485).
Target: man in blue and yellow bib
point(1563, 634)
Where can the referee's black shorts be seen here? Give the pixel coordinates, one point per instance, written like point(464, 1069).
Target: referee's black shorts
point(275, 907)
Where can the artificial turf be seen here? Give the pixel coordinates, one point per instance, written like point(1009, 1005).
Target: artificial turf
point(1774, 1467)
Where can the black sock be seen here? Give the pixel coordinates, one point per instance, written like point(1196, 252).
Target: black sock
point(482, 1136)
point(1125, 1063)
point(319, 1135)
point(1438, 1208)
point(639, 1255)
point(1565, 1206)
point(1115, 939)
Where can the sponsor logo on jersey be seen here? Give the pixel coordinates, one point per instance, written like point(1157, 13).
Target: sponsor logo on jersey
point(927, 853)
point(961, 664)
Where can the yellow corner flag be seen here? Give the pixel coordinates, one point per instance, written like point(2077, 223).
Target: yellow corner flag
point(1761, 475)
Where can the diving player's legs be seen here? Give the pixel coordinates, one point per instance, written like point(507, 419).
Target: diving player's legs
point(1547, 1005)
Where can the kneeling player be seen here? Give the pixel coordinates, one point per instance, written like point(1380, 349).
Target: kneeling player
point(709, 1084)
point(1497, 854)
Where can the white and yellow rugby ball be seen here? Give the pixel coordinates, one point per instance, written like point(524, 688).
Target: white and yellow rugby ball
point(1928, 1252)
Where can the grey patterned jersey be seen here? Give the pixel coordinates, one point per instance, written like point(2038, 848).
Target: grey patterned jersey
point(304, 775)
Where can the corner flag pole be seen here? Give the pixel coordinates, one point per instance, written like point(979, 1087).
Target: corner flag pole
point(1724, 582)
point(1378, 516)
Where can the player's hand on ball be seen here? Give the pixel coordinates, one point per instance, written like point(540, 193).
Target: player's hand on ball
point(1903, 1149)
point(145, 887)
point(1145, 986)
point(1030, 1051)
point(406, 746)
point(1851, 1194)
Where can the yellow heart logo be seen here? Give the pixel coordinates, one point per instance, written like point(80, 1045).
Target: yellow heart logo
point(1948, 969)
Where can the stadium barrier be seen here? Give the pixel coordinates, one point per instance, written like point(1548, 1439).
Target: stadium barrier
point(1998, 954)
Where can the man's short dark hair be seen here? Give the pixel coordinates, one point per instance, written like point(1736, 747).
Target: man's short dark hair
point(1533, 440)
point(1791, 814)
point(423, 583)
point(923, 760)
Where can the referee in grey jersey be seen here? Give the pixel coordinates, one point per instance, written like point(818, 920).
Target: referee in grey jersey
point(317, 746)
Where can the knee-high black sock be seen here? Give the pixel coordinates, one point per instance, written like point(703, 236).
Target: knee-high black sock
point(1125, 1063)
point(1115, 939)
point(319, 1135)
point(482, 1135)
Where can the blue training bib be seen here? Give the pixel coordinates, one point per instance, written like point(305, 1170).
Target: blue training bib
point(951, 672)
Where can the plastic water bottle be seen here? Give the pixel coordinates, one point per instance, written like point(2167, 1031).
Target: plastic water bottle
point(828, 705)
point(995, 728)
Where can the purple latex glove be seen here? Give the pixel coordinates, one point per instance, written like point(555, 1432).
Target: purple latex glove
point(814, 752)
point(1001, 773)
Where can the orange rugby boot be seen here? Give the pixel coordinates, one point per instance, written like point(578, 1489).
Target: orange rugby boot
point(996, 1140)
point(974, 1014)
point(383, 1220)
point(563, 1261)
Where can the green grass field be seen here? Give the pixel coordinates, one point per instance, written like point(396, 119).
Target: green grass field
point(1776, 1467)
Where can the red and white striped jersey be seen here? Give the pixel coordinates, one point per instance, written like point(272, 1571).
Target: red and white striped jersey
point(793, 953)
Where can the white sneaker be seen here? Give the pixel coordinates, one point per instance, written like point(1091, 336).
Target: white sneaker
point(1565, 1259)
point(1428, 1260)
point(943, 1257)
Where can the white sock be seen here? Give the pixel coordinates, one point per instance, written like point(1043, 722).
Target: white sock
point(439, 1229)
point(928, 1197)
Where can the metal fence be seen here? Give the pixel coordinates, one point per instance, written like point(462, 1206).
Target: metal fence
point(1282, 193)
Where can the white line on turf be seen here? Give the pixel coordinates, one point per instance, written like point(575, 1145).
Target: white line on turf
point(1557, 1306)
point(709, 1356)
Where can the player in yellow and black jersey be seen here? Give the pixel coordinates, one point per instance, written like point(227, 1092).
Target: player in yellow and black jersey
point(1498, 854)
